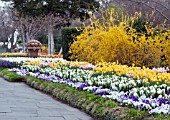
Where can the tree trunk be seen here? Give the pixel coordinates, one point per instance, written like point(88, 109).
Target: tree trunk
point(28, 38)
point(50, 40)
point(23, 38)
point(23, 47)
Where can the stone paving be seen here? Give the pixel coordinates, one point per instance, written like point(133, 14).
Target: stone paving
point(20, 102)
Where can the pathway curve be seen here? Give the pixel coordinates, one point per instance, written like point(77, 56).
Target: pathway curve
point(20, 102)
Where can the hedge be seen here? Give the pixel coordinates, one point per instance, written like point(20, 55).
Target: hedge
point(68, 37)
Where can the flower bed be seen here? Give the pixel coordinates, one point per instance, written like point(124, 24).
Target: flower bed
point(127, 91)
point(13, 54)
point(23, 60)
point(40, 54)
point(150, 75)
point(98, 107)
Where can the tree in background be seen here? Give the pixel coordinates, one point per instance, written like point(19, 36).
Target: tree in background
point(56, 11)
point(6, 24)
point(29, 27)
point(161, 8)
point(7, 29)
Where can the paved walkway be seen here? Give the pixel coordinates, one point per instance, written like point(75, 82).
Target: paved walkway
point(20, 102)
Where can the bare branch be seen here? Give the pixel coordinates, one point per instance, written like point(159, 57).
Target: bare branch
point(146, 3)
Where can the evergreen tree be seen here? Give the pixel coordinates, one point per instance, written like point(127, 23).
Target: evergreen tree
point(64, 8)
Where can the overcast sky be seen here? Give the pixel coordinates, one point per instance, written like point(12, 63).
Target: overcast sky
point(2, 4)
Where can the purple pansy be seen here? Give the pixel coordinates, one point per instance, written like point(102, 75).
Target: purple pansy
point(145, 101)
point(124, 97)
point(81, 86)
point(133, 98)
point(162, 100)
point(42, 76)
point(99, 92)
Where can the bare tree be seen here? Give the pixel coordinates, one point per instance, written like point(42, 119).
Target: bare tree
point(6, 26)
point(54, 23)
point(7, 29)
point(29, 27)
point(161, 8)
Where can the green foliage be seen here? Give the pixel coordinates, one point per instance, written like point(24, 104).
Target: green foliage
point(110, 103)
point(138, 23)
point(112, 117)
point(42, 37)
point(19, 41)
point(68, 35)
point(64, 8)
point(12, 76)
point(162, 116)
point(134, 112)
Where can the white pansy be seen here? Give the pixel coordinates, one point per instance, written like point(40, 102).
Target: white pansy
point(155, 86)
point(159, 91)
point(135, 89)
point(153, 91)
point(160, 96)
point(141, 92)
point(135, 94)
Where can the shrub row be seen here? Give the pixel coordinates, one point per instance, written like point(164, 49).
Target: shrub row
point(94, 105)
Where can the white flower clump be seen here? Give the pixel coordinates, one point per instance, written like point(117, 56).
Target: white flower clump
point(26, 59)
point(156, 91)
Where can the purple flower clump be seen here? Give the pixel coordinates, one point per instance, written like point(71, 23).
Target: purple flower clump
point(145, 101)
point(163, 101)
point(7, 64)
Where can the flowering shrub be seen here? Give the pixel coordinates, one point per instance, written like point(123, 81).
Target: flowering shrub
point(109, 41)
point(44, 48)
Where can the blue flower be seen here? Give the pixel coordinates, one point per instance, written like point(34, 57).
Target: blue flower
point(99, 92)
point(162, 100)
point(145, 101)
point(7, 64)
point(48, 78)
point(124, 97)
point(42, 76)
point(134, 98)
point(168, 93)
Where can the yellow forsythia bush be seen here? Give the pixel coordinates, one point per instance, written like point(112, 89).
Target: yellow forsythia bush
point(111, 41)
point(151, 51)
point(44, 48)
